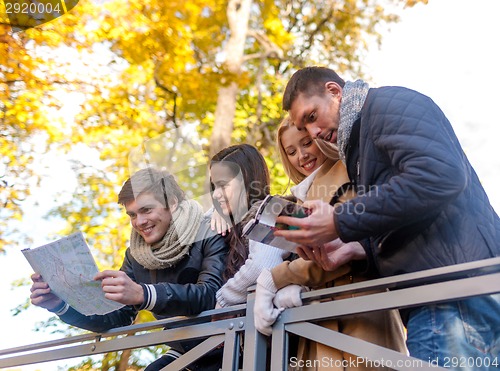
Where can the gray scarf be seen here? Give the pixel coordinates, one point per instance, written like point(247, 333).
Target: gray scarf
point(353, 98)
point(175, 244)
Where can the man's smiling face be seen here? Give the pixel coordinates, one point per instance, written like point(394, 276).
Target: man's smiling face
point(149, 217)
point(318, 114)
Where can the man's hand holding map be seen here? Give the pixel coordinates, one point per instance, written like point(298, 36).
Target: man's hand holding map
point(69, 268)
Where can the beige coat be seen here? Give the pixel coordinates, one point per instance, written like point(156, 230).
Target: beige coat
point(381, 328)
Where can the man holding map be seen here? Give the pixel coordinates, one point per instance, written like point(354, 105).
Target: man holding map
point(172, 267)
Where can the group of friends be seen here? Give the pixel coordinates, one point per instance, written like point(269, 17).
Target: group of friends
point(390, 191)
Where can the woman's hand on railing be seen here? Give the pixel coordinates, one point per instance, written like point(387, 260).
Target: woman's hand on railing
point(265, 313)
point(289, 296)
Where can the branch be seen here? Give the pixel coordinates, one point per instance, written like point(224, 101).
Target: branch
point(270, 48)
point(319, 25)
point(58, 82)
point(249, 57)
point(173, 93)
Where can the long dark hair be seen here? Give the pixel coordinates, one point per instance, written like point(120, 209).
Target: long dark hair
point(250, 162)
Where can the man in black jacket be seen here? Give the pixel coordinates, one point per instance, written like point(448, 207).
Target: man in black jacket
point(420, 205)
point(172, 267)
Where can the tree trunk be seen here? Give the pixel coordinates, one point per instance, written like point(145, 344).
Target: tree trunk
point(238, 14)
point(224, 116)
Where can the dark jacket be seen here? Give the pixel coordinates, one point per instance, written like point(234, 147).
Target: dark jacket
point(188, 288)
point(420, 204)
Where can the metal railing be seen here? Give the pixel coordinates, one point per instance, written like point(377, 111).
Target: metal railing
point(238, 332)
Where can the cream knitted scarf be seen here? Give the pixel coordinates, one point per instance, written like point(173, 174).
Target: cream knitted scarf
point(353, 98)
point(175, 244)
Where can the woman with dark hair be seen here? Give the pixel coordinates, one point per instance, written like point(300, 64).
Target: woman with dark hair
point(239, 180)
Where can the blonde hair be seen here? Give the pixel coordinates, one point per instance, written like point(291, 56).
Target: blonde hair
point(295, 175)
point(330, 151)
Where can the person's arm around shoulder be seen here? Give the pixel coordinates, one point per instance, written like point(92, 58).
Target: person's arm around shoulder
point(217, 223)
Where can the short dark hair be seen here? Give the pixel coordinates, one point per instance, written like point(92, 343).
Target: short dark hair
point(310, 81)
point(160, 183)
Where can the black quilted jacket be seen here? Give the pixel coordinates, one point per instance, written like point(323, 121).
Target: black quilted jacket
point(188, 288)
point(423, 205)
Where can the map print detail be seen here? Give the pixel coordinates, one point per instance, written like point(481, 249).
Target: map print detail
point(69, 268)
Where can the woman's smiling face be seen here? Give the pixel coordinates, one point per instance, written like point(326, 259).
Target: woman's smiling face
point(301, 150)
point(229, 190)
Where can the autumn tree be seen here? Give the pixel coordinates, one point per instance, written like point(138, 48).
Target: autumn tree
point(26, 125)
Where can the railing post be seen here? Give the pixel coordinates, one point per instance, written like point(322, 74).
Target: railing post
point(231, 355)
point(279, 346)
point(255, 344)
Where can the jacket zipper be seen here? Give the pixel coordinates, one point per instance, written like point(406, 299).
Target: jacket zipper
point(357, 172)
